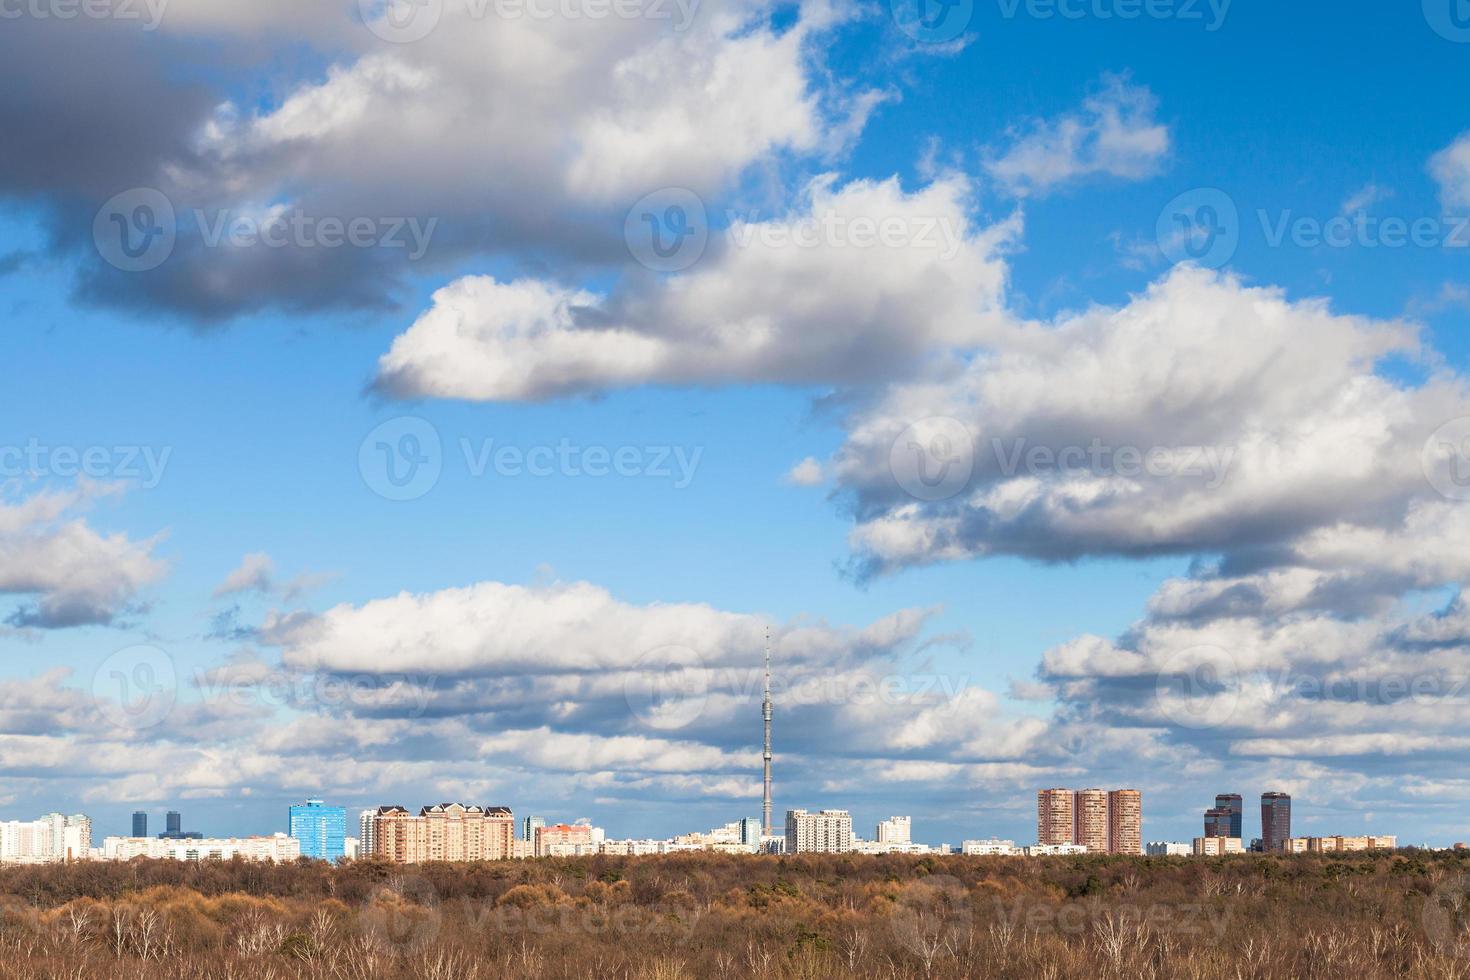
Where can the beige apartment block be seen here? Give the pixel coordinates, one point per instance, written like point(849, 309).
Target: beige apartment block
point(443, 832)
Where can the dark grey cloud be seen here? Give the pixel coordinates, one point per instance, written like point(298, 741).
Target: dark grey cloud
point(534, 169)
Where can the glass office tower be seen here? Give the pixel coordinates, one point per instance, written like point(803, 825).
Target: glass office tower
point(321, 829)
point(1275, 821)
point(1232, 804)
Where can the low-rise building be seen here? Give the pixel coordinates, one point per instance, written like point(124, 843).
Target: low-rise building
point(1168, 848)
point(631, 848)
point(1055, 850)
point(874, 847)
point(276, 847)
point(1331, 845)
point(1217, 846)
point(990, 848)
point(568, 840)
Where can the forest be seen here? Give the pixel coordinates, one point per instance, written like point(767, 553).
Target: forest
point(718, 916)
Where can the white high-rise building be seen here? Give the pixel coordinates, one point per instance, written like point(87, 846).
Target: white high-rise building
point(365, 833)
point(825, 832)
point(894, 830)
point(54, 837)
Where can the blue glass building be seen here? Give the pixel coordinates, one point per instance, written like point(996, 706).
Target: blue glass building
point(321, 829)
point(1232, 804)
point(529, 826)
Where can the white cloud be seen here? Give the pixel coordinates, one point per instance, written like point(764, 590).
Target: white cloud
point(524, 125)
point(1336, 667)
point(1203, 416)
point(503, 134)
point(865, 282)
point(1451, 168)
point(255, 573)
point(578, 752)
point(1116, 134)
point(496, 629)
point(73, 574)
point(807, 473)
point(538, 704)
point(1364, 198)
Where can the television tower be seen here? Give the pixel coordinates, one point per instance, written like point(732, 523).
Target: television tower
point(766, 714)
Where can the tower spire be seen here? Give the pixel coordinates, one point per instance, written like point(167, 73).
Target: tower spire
point(766, 715)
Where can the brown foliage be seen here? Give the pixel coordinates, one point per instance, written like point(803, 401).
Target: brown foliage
point(806, 917)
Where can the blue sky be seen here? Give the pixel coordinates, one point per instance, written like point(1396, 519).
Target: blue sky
point(1049, 150)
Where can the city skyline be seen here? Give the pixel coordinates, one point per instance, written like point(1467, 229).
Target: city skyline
point(1069, 823)
point(675, 823)
point(1084, 821)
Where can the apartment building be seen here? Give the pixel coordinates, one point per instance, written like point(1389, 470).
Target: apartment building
point(1100, 821)
point(365, 821)
point(276, 847)
point(1125, 821)
point(567, 840)
point(443, 832)
point(1334, 845)
point(1090, 820)
point(824, 832)
point(1054, 820)
point(894, 830)
point(53, 838)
